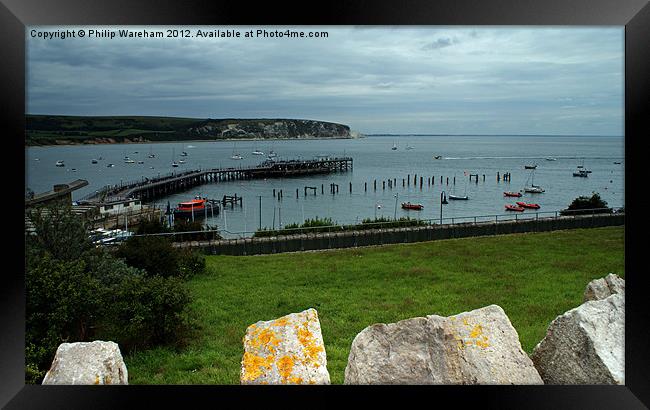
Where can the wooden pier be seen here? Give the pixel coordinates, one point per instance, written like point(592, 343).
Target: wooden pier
point(151, 188)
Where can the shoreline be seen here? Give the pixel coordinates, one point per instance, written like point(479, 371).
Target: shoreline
point(183, 141)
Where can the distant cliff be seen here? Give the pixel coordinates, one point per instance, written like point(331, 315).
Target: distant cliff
point(59, 130)
point(269, 128)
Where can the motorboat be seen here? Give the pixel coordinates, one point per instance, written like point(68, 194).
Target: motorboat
point(530, 166)
point(257, 152)
point(59, 163)
point(93, 161)
point(514, 208)
point(194, 208)
point(437, 157)
point(582, 173)
point(551, 159)
point(526, 205)
point(458, 197)
point(410, 206)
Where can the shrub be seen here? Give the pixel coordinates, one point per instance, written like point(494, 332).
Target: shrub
point(63, 302)
point(76, 292)
point(586, 205)
point(154, 254)
point(146, 311)
point(59, 232)
point(152, 226)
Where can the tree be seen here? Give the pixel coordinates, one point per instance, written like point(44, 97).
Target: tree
point(77, 292)
point(587, 205)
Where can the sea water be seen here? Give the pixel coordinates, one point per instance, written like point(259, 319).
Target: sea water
point(373, 160)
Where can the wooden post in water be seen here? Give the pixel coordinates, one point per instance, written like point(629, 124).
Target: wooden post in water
point(498, 177)
point(296, 192)
point(273, 192)
point(408, 179)
point(375, 187)
point(470, 178)
point(421, 179)
point(403, 183)
point(383, 185)
point(447, 180)
point(365, 187)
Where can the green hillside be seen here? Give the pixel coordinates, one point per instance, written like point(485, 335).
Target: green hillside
point(59, 129)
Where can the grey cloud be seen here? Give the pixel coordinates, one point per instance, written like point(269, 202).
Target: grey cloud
point(440, 43)
point(355, 76)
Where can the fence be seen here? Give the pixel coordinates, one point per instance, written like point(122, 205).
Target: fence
point(338, 237)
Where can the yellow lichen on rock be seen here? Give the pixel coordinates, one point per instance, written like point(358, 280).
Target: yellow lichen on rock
point(280, 322)
point(254, 365)
point(311, 349)
point(285, 366)
point(476, 332)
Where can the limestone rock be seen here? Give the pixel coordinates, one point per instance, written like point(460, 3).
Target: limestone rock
point(95, 362)
point(288, 350)
point(604, 287)
point(585, 345)
point(477, 347)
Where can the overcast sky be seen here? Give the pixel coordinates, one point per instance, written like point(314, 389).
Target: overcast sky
point(473, 80)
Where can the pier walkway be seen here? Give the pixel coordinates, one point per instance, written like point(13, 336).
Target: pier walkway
point(149, 189)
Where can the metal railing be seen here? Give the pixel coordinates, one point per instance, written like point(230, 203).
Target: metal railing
point(216, 234)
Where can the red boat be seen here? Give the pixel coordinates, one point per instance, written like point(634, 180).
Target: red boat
point(517, 194)
point(186, 209)
point(514, 208)
point(415, 207)
point(525, 205)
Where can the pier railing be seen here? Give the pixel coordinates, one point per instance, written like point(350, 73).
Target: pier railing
point(198, 176)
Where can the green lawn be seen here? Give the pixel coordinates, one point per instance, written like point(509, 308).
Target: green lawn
point(534, 277)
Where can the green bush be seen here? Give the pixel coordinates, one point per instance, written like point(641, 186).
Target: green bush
point(146, 311)
point(586, 205)
point(152, 226)
point(154, 254)
point(63, 303)
point(76, 292)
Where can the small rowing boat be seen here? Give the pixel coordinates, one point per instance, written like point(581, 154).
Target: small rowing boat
point(514, 208)
point(410, 206)
point(515, 194)
point(525, 205)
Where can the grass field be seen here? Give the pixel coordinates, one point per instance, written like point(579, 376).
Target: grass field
point(534, 277)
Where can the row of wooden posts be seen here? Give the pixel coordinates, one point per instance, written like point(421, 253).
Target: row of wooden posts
point(391, 183)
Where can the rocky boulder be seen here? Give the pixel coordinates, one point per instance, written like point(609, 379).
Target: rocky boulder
point(288, 350)
point(604, 287)
point(95, 362)
point(477, 347)
point(585, 345)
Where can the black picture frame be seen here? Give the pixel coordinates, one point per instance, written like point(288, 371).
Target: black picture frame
point(16, 14)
